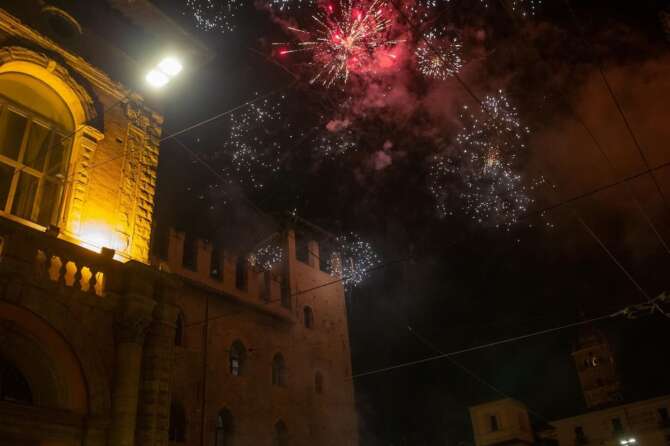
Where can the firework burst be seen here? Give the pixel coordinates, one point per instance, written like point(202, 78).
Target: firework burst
point(253, 151)
point(439, 57)
point(354, 261)
point(267, 256)
point(347, 40)
point(482, 177)
point(213, 15)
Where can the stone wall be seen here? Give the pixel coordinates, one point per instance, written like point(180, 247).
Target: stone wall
point(216, 314)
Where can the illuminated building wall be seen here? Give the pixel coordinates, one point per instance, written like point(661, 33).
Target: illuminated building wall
point(78, 151)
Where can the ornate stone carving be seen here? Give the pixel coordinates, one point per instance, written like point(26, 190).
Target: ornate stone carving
point(88, 142)
point(17, 53)
point(136, 201)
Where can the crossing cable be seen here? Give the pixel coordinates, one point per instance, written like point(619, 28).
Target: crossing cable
point(469, 372)
point(591, 134)
point(619, 108)
point(228, 112)
point(482, 346)
point(621, 312)
point(613, 258)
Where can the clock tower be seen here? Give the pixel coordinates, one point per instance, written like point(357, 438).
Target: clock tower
point(596, 368)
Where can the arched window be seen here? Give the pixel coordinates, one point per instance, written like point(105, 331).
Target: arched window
point(177, 426)
point(14, 386)
point(179, 330)
point(225, 429)
point(241, 273)
point(278, 370)
point(36, 129)
point(281, 434)
point(318, 382)
point(237, 356)
point(308, 316)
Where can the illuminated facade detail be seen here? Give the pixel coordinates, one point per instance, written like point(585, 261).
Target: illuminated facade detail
point(88, 210)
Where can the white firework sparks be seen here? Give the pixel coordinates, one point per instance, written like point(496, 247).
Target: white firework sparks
point(334, 144)
point(354, 261)
point(267, 256)
point(439, 57)
point(482, 177)
point(214, 15)
point(253, 149)
point(291, 5)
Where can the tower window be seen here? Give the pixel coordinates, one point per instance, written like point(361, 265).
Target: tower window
point(177, 426)
point(281, 434)
point(241, 273)
point(308, 316)
point(215, 267)
point(493, 423)
point(179, 330)
point(224, 429)
point(617, 426)
point(278, 370)
point(236, 358)
point(663, 415)
point(580, 438)
point(318, 383)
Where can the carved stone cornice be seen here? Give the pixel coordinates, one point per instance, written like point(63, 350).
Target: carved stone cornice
point(20, 54)
point(133, 317)
point(13, 26)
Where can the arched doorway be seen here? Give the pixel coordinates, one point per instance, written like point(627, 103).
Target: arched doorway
point(43, 391)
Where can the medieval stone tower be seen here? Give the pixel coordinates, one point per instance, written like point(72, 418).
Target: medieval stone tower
point(596, 367)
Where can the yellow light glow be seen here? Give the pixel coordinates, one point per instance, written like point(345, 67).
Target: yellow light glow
point(96, 236)
point(157, 79)
point(170, 66)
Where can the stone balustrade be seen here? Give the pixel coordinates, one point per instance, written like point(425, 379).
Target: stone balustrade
point(49, 259)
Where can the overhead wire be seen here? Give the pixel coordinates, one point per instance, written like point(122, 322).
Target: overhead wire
point(484, 346)
point(591, 134)
point(617, 104)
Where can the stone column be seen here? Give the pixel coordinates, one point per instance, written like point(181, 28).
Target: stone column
point(157, 370)
point(133, 319)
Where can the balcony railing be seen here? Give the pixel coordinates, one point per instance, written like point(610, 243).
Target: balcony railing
point(50, 260)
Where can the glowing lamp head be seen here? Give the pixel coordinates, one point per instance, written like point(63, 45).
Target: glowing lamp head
point(157, 79)
point(170, 66)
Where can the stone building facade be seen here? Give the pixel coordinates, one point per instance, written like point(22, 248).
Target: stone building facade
point(101, 344)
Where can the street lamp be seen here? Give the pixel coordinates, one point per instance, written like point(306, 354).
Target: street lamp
point(628, 441)
point(164, 72)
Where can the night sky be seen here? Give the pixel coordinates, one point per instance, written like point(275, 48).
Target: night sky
point(466, 282)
